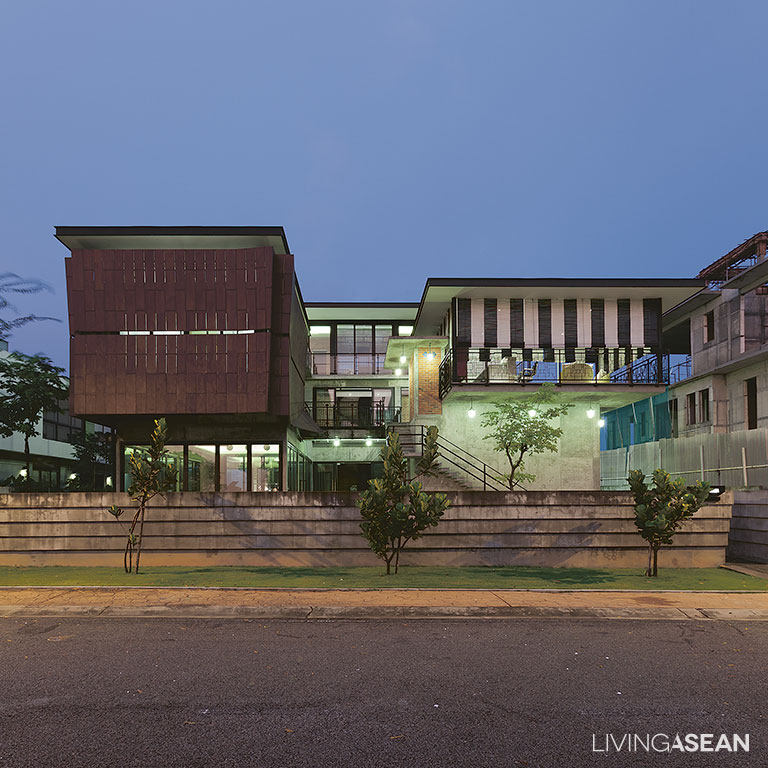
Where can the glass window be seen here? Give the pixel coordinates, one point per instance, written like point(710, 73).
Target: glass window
point(233, 468)
point(265, 463)
point(364, 339)
point(383, 332)
point(201, 468)
point(175, 460)
point(345, 339)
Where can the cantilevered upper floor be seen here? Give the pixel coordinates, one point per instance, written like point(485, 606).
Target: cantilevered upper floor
point(573, 331)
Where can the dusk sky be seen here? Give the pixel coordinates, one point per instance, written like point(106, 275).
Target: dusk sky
point(394, 141)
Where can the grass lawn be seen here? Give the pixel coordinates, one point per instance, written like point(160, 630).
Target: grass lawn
point(347, 578)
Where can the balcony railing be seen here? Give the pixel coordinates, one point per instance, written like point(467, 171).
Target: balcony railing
point(558, 366)
point(680, 371)
point(353, 364)
point(352, 415)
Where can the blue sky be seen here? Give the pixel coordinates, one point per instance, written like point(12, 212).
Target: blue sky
point(394, 140)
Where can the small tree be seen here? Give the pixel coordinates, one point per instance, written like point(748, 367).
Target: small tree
point(150, 476)
point(662, 508)
point(395, 508)
point(29, 385)
point(521, 428)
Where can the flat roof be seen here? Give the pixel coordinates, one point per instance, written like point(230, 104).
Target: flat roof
point(158, 238)
point(438, 292)
point(362, 310)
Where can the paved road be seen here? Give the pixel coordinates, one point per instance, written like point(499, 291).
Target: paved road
point(166, 692)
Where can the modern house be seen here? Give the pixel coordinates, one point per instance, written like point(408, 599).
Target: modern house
point(262, 391)
point(712, 423)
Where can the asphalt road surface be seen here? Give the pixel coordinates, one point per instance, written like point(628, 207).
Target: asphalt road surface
point(529, 692)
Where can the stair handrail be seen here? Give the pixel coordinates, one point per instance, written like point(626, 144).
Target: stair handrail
point(484, 473)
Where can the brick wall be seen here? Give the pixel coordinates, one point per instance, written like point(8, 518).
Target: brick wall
point(429, 382)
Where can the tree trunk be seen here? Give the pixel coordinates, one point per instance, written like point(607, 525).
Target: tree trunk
point(649, 569)
point(655, 561)
point(141, 537)
point(397, 555)
point(27, 461)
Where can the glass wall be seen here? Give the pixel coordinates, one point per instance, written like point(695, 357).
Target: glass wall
point(201, 468)
point(175, 461)
point(265, 467)
point(233, 468)
point(299, 470)
point(224, 467)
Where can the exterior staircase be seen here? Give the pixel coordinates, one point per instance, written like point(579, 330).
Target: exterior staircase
point(454, 463)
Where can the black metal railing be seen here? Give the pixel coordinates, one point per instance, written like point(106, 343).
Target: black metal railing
point(558, 366)
point(413, 439)
point(357, 364)
point(352, 415)
point(680, 371)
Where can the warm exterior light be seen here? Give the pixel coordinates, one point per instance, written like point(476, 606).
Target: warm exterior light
point(591, 413)
point(73, 476)
point(532, 412)
point(471, 413)
point(429, 356)
point(23, 473)
point(108, 482)
point(403, 359)
point(398, 371)
point(601, 423)
point(336, 442)
point(368, 441)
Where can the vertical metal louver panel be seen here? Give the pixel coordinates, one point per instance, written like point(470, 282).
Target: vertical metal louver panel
point(571, 323)
point(598, 322)
point(624, 322)
point(545, 323)
point(516, 323)
point(490, 320)
point(651, 322)
point(464, 321)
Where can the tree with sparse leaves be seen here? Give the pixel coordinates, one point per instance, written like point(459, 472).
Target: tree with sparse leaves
point(151, 475)
point(521, 427)
point(11, 283)
point(29, 385)
point(395, 507)
point(660, 509)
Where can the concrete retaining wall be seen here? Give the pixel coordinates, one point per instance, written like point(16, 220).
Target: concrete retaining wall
point(749, 527)
point(547, 528)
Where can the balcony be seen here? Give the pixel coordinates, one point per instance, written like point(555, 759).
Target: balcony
point(556, 366)
point(352, 364)
point(352, 415)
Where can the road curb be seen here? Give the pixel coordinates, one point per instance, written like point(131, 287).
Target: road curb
point(326, 612)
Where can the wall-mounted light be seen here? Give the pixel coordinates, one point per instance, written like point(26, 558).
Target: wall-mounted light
point(532, 412)
point(591, 413)
point(23, 472)
point(403, 359)
point(601, 422)
point(429, 355)
point(73, 476)
point(336, 442)
point(108, 482)
point(471, 413)
point(368, 441)
point(398, 371)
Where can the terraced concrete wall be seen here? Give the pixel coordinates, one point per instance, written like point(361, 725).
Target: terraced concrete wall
point(591, 529)
point(749, 527)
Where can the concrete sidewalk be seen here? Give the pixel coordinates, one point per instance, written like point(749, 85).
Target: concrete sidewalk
point(185, 602)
